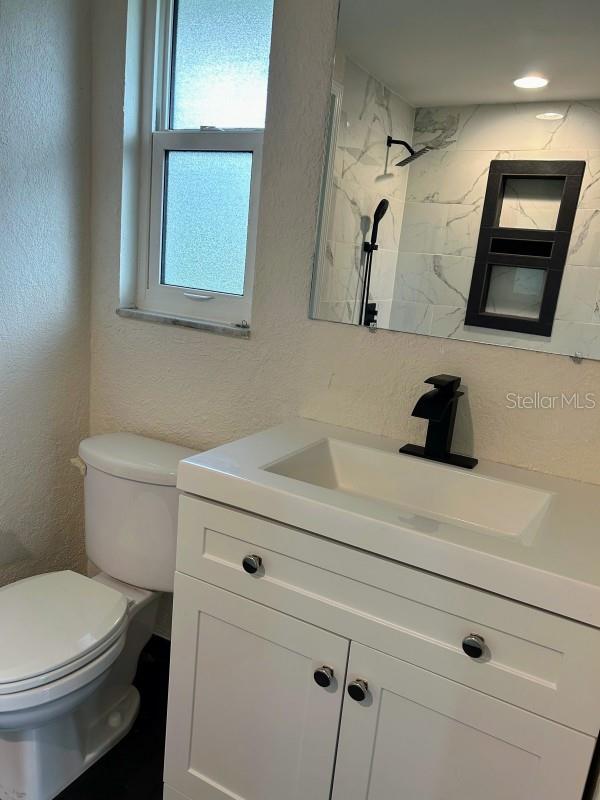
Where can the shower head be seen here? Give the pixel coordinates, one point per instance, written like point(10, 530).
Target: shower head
point(379, 214)
point(413, 156)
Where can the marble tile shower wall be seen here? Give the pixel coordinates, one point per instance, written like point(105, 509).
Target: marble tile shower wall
point(369, 112)
point(442, 215)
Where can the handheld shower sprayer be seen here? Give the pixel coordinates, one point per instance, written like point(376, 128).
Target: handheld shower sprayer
point(368, 311)
point(379, 214)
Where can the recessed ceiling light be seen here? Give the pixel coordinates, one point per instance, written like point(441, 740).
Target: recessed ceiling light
point(531, 82)
point(550, 115)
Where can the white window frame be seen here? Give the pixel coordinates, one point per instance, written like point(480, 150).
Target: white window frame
point(157, 141)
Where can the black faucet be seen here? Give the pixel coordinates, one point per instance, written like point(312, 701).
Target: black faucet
point(439, 407)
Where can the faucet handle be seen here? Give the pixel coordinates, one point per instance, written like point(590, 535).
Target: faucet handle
point(447, 383)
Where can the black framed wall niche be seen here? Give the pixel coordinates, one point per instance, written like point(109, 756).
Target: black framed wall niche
point(518, 269)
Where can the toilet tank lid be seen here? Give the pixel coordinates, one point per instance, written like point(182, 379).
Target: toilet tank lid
point(127, 455)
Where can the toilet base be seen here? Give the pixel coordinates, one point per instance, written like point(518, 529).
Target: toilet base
point(39, 763)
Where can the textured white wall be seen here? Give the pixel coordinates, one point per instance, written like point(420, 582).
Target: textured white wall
point(44, 265)
point(201, 389)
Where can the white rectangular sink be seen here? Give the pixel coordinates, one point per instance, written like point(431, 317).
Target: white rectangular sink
point(529, 536)
point(425, 488)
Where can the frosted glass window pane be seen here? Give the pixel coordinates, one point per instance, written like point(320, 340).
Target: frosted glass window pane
point(206, 220)
point(221, 63)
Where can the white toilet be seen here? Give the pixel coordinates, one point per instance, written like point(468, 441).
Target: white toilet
point(69, 645)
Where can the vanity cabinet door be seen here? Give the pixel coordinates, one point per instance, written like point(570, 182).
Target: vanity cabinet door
point(417, 735)
point(247, 719)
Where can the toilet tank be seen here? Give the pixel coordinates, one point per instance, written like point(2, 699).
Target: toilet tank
point(131, 507)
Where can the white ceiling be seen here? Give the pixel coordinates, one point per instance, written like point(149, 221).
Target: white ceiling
point(453, 52)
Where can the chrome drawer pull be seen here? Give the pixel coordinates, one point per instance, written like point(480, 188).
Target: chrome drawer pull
point(251, 564)
point(358, 690)
point(474, 645)
point(323, 676)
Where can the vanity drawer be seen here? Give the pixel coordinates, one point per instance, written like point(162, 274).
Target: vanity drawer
point(532, 659)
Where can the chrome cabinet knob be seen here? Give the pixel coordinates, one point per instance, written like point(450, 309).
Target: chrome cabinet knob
point(358, 690)
point(323, 676)
point(251, 564)
point(474, 645)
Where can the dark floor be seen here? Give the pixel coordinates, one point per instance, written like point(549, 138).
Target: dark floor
point(133, 769)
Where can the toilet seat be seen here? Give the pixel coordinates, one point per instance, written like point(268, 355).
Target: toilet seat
point(68, 684)
point(65, 669)
point(54, 625)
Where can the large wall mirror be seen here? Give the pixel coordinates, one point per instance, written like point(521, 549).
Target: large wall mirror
point(461, 187)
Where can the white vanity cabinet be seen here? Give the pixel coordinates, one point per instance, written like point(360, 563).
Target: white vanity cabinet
point(248, 721)
point(418, 735)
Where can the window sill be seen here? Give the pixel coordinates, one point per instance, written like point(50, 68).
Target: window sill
point(223, 328)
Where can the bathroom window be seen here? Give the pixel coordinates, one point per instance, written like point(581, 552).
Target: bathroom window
point(210, 70)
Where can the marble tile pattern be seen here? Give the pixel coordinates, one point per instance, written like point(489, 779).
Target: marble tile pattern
point(442, 215)
point(422, 273)
point(530, 203)
point(515, 290)
point(364, 174)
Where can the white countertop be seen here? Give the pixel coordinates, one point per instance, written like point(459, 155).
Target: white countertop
point(558, 571)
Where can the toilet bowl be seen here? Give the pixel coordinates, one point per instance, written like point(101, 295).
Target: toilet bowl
point(71, 643)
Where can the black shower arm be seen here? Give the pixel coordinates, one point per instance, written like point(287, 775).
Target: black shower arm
point(391, 141)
